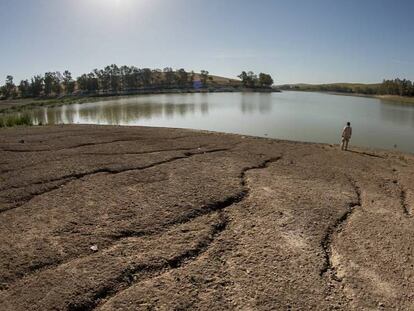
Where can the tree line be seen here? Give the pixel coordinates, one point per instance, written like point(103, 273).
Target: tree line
point(397, 87)
point(400, 87)
point(111, 79)
point(251, 80)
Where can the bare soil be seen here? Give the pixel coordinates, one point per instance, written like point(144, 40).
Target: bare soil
point(135, 218)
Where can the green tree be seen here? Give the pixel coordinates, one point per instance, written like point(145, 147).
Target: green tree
point(156, 77)
point(48, 80)
point(243, 77)
point(182, 78)
point(68, 82)
point(57, 85)
point(191, 77)
point(24, 88)
point(88, 82)
point(169, 76)
point(36, 86)
point(145, 75)
point(82, 82)
point(9, 89)
point(249, 79)
point(265, 80)
point(204, 77)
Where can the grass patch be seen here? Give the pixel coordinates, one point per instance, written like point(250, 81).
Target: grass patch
point(15, 120)
point(397, 99)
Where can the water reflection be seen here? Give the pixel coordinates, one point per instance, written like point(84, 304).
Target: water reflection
point(288, 115)
point(397, 112)
point(256, 102)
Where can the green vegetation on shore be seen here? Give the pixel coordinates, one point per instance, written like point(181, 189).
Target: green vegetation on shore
point(252, 81)
point(15, 120)
point(125, 80)
point(54, 89)
point(390, 89)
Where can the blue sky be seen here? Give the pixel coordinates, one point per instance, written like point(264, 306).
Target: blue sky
point(296, 41)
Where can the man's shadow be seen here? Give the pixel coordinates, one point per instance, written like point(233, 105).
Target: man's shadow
point(366, 154)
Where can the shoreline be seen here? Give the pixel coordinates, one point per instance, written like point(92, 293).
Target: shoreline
point(18, 105)
point(389, 98)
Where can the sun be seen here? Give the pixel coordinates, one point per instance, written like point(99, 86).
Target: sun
point(115, 7)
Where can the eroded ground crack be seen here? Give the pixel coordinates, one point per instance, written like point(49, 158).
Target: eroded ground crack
point(72, 147)
point(127, 278)
point(403, 201)
point(91, 144)
point(210, 207)
point(403, 196)
point(75, 176)
point(336, 228)
point(214, 207)
point(142, 272)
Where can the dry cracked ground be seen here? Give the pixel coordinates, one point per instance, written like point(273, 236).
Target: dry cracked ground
point(190, 220)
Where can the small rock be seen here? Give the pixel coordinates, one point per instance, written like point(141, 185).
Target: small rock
point(94, 248)
point(21, 141)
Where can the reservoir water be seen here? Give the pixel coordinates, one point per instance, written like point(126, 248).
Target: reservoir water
point(300, 116)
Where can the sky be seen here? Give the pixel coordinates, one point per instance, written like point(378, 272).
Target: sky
point(308, 41)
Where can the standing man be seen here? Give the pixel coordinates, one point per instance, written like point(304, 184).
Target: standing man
point(346, 136)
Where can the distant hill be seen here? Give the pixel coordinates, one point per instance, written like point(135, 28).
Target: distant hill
point(221, 81)
point(360, 88)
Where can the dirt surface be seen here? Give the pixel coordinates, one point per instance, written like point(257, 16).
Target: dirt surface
point(134, 218)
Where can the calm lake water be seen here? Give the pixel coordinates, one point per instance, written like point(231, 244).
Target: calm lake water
point(300, 116)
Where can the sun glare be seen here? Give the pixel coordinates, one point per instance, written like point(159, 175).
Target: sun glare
point(115, 4)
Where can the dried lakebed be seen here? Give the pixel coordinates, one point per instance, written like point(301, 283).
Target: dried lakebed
point(200, 221)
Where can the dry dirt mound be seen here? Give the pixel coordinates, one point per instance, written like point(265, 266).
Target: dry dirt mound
point(121, 218)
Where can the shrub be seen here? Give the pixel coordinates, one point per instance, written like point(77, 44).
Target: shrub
point(15, 120)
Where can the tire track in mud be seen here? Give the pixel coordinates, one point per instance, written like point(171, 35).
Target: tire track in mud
point(336, 228)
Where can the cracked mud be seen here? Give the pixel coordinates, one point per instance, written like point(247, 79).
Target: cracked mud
point(191, 220)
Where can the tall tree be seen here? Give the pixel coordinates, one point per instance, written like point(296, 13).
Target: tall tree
point(169, 76)
point(57, 85)
point(248, 79)
point(68, 82)
point(24, 89)
point(265, 80)
point(37, 85)
point(204, 77)
point(156, 77)
point(115, 78)
point(182, 78)
point(9, 89)
point(48, 80)
point(146, 75)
